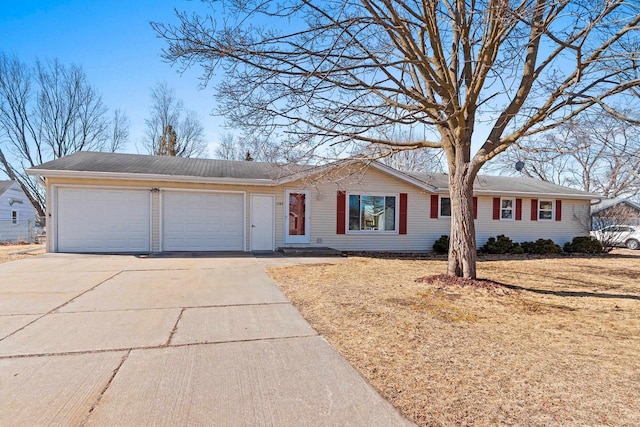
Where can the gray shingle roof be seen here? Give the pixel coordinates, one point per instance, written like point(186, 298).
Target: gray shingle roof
point(502, 184)
point(86, 161)
point(4, 186)
point(607, 203)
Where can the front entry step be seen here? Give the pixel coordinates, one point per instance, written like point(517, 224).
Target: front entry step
point(311, 252)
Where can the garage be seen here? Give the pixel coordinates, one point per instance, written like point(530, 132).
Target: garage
point(202, 221)
point(103, 220)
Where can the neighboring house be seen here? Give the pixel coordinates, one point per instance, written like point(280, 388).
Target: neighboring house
point(614, 212)
point(17, 214)
point(105, 202)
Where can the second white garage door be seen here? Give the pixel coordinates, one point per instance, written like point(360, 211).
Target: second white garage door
point(200, 221)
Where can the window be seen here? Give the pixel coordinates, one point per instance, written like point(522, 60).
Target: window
point(372, 213)
point(14, 217)
point(445, 207)
point(545, 210)
point(506, 209)
point(618, 229)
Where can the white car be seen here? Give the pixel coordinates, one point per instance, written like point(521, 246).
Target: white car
point(619, 235)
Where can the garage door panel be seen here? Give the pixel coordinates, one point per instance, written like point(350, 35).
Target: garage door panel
point(200, 221)
point(101, 220)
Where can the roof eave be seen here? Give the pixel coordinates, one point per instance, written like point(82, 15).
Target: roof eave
point(403, 176)
point(625, 202)
point(574, 196)
point(150, 177)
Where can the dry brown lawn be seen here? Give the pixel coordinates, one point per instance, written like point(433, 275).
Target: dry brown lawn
point(8, 251)
point(562, 348)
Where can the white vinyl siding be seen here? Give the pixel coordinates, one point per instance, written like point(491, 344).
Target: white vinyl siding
point(155, 221)
point(17, 216)
point(422, 231)
point(575, 222)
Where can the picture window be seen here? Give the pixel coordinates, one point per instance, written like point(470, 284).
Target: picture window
point(372, 213)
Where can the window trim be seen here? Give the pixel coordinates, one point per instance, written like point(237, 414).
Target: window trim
point(440, 207)
point(306, 238)
point(513, 209)
point(14, 218)
point(553, 210)
point(396, 213)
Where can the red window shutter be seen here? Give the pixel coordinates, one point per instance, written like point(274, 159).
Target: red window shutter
point(403, 214)
point(475, 208)
point(518, 209)
point(558, 210)
point(434, 206)
point(534, 209)
point(496, 208)
point(341, 212)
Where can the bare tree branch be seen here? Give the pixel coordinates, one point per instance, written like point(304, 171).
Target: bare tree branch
point(326, 77)
point(168, 112)
point(597, 153)
point(48, 111)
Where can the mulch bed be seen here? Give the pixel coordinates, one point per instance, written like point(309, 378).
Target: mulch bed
point(446, 280)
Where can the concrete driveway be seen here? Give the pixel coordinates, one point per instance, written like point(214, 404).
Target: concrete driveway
point(201, 340)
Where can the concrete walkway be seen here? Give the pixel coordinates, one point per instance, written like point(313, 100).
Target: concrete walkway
point(200, 340)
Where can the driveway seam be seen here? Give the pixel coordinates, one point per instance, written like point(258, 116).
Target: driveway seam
point(190, 307)
point(60, 306)
point(175, 327)
point(183, 269)
point(105, 388)
point(155, 347)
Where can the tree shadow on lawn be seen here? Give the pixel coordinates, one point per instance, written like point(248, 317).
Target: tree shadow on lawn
point(482, 257)
point(445, 280)
point(574, 294)
point(533, 257)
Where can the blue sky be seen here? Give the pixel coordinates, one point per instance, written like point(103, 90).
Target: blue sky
point(115, 45)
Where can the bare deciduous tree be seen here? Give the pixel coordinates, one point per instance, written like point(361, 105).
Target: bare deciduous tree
point(338, 72)
point(49, 111)
point(119, 131)
point(596, 153)
point(233, 147)
point(168, 112)
point(611, 225)
point(418, 160)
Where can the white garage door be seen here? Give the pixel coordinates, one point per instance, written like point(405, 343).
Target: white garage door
point(199, 221)
point(92, 220)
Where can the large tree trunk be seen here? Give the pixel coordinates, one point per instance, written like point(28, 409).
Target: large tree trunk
point(462, 240)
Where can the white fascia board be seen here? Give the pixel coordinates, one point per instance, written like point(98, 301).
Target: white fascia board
point(565, 196)
point(403, 176)
point(149, 177)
